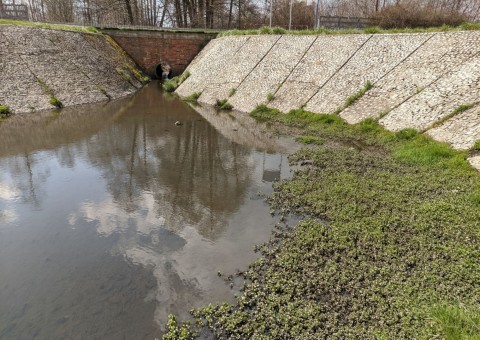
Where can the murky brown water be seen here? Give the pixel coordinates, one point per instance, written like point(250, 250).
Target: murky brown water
point(112, 217)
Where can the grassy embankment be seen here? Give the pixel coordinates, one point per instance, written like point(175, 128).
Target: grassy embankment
point(389, 247)
point(63, 27)
point(468, 26)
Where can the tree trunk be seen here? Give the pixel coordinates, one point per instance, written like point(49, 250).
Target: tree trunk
point(129, 12)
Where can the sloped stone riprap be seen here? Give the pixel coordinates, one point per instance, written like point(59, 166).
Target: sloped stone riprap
point(76, 68)
point(419, 80)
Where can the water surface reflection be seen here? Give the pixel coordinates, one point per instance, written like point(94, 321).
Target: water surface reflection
point(111, 216)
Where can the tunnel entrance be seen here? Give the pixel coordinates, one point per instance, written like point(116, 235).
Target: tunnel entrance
point(163, 70)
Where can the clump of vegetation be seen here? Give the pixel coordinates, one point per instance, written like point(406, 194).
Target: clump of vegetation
point(171, 85)
point(137, 73)
point(193, 98)
point(48, 91)
point(457, 322)
point(55, 102)
point(476, 146)
point(270, 97)
point(310, 140)
point(125, 75)
point(223, 104)
point(5, 111)
point(232, 92)
point(297, 118)
point(176, 332)
point(104, 92)
point(357, 95)
point(459, 109)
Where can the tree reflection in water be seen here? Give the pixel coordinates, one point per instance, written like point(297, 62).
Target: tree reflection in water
point(173, 199)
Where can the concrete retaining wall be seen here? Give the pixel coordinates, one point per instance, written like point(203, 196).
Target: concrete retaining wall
point(418, 79)
point(75, 68)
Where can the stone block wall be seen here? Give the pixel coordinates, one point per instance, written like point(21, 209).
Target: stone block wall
point(75, 68)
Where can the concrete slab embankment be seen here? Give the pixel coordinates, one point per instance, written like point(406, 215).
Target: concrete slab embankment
point(419, 80)
point(321, 62)
point(73, 67)
point(378, 56)
point(436, 57)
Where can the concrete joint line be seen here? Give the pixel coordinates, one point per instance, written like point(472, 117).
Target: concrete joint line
point(447, 118)
point(258, 63)
point(406, 57)
point(442, 75)
point(339, 69)
point(296, 65)
point(19, 56)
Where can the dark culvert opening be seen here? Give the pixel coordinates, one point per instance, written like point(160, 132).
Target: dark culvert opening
point(163, 70)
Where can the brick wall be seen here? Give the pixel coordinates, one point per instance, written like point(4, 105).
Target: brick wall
point(148, 48)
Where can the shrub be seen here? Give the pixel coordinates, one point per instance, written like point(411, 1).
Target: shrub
point(398, 16)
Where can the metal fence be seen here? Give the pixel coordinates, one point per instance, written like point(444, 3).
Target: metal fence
point(14, 11)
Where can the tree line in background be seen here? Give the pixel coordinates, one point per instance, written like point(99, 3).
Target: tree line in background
point(249, 13)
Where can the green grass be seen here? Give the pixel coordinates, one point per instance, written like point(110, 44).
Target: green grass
point(5, 111)
point(457, 322)
point(297, 118)
point(357, 95)
point(101, 88)
point(459, 109)
point(270, 97)
point(55, 102)
point(476, 146)
point(49, 92)
point(193, 98)
point(171, 85)
point(232, 92)
point(370, 30)
point(388, 248)
point(74, 28)
point(310, 140)
point(223, 104)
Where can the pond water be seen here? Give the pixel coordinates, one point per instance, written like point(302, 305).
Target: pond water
point(112, 216)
